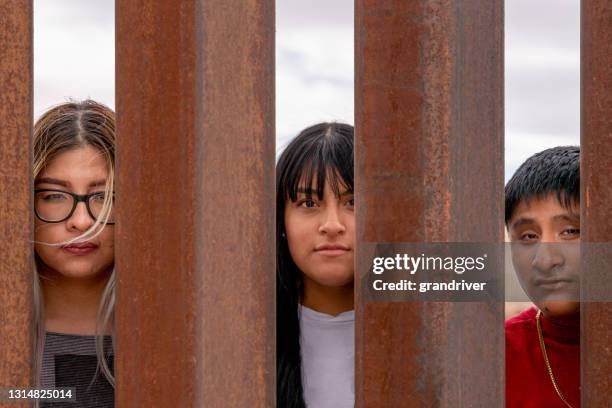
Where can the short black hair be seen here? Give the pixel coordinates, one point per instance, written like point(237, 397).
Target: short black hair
point(552, 171)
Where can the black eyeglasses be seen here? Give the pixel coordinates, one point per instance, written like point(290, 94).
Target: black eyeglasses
point(57, 205)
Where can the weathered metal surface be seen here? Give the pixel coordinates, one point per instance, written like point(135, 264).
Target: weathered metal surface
point(429, 167)
point(596, 183)
point(15, 193)
point(195, 199)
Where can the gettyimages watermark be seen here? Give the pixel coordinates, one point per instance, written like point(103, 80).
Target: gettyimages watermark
point(476, 272)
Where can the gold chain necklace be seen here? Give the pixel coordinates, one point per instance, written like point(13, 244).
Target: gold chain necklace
point(548, 367)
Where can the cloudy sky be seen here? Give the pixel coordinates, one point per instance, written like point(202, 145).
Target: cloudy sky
point(542, 77)
point(74, 57)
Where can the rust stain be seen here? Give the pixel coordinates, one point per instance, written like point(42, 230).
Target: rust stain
point(15, 194)
point(428, 100)
point(596, 214)
point(195, 102)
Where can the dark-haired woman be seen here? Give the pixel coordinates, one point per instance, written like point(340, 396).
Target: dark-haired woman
point(315, 272)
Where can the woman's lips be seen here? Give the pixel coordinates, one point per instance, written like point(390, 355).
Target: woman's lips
point(80, 249)
point(332, 249)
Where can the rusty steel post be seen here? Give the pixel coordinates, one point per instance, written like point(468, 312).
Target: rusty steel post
point(15, 193)
point(195, 200)
point(429, 168)
point(596, 210)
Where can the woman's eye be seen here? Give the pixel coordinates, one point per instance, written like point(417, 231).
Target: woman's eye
point(98, 197)
point(307, 204)
point(528, 237)
point(350, 203)
point(55, 197)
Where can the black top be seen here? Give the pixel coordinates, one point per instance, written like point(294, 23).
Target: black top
point(70, 361)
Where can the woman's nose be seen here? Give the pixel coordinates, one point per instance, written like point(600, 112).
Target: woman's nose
point(80, 219)
point(332, 223)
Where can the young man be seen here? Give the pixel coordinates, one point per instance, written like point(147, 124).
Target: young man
point(543, 221)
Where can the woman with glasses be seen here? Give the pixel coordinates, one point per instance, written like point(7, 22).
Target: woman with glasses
point(315, 251)
point(74, 288)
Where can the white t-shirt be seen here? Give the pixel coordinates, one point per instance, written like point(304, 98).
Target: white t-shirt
point(328, 358)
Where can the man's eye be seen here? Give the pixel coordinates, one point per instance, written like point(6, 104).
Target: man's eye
point(570, 232)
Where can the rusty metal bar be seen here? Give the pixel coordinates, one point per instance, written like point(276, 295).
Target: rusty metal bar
point(429, 168)
point(16, 109)
point(596, 184)
point(195, 198)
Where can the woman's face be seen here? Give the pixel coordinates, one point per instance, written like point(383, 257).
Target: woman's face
point(81, 171)
point(321, 236)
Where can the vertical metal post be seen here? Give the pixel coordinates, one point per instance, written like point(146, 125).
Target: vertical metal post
point(15, 193)
point(596, 199)
point(429, 168)
point(195, 198)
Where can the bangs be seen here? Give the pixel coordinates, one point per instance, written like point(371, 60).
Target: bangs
point(553, 172)
point(322, 153)
point(567, 200)
point(567, 195)
point(312, 180)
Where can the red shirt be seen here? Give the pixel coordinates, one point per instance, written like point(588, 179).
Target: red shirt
point(527, 381)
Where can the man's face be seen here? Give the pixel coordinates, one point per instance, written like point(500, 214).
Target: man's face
point(546, 254)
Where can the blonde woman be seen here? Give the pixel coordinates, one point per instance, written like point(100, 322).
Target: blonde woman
point(74, 146)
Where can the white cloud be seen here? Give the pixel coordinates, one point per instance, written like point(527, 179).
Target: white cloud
point(74, 57)
point(74, 52)
point(520, 146)
point(531, 59)
point(314, 65)
point(542, 77)
point(314, 79)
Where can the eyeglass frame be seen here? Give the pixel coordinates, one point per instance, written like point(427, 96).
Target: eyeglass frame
point(77, 198)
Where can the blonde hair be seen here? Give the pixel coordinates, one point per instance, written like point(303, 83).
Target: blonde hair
point(65, 127)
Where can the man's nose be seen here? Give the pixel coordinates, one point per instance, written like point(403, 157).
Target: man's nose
point(548, 255)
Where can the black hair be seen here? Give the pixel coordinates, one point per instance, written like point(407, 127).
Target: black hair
point(553, 171)
point(323, 152)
